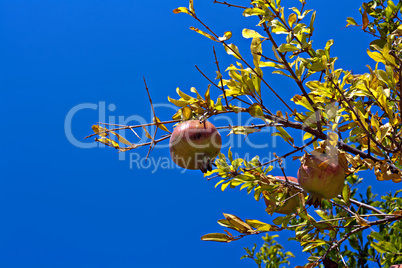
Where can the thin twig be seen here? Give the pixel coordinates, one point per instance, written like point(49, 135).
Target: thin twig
point(358, 117)
point(220, 74)
point(361, 228)
point(214, 84)
point(297, 80)
point(245, 62)
point(155, 119)
point(229, 5)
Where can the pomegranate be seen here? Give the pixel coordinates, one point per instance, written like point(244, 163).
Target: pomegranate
point(195, 144)
point(289, 206)
point(321, 177)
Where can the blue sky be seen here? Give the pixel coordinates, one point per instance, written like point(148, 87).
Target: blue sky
point(66, 206)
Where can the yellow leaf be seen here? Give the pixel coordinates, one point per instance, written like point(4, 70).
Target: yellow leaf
point(120, 138)
point(240, 130)
point(247, 33)
point(186, 113)
point(183, 95)
point(108, 142)
point(255, 110)
point(240, 225)
point(146, 133)
point(194, 90)
point(292, 19)
point(216, 237)
point(261, 226)
point(101, 131)
point(191, 6)
point(203, 33)
point(376, 56)
point(182, 10)
point(226, 36)
point(361, 221)
point(208, 97)
point(161, 126)
point(376, 126)
point(218, 105)
point(179, 103)
point(232, 49)
point(333, 138)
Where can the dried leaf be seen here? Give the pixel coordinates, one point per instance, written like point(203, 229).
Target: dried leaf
point(146, 133)
point(217, 237)
point(365, 20)
point(161, 126)
point(240, 225)
point(360, 220)
point(101, 131)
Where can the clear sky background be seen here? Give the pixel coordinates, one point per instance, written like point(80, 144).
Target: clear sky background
point(62, 205)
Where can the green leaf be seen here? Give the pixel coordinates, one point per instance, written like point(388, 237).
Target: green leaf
point(350, 22)
point(376, 236)
point(230, 156)
point(253, 12)
point(346, 193)
point(255, 110)
point(262, 226)
point(312, 23)
point(287, 47)
point(379, 247)
point(282, 133)
point(217, 237)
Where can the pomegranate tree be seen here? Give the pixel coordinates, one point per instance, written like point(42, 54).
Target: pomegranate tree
point(289, 206)
point(195, 144)
point(321, 177)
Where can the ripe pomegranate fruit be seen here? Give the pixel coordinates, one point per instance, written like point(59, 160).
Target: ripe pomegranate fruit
point(321, 177)
point(289, 206)
point(195, 144)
